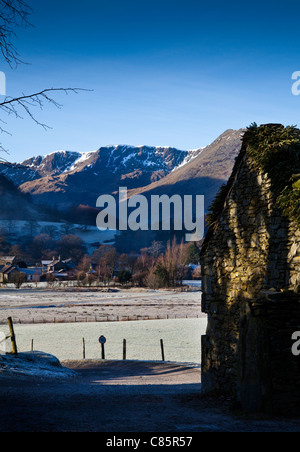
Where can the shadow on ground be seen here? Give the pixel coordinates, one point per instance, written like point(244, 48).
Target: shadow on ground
point(122, 396)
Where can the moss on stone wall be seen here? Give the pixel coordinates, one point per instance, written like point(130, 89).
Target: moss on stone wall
point(274, 150)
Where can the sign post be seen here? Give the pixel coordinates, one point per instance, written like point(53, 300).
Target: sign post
point(102, 341)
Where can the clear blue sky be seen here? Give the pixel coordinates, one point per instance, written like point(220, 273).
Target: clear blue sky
point(163, 72)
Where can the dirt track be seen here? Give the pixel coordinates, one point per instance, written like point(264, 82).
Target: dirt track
point(117, 396)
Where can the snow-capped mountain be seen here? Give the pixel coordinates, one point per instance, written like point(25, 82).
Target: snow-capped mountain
point(66, 178)
point(37, 167)
point(54, 163)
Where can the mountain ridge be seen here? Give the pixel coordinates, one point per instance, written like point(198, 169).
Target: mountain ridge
point(66, 172)
point(204, 174)
point(65, 178)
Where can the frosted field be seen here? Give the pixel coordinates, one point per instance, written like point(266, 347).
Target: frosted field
point(47, 317)
point(182, 339)
point(27, 306)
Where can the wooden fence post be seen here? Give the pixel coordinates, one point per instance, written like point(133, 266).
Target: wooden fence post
point(83, 348)
point(12, 336)
point(124, 349)
point(162, 350)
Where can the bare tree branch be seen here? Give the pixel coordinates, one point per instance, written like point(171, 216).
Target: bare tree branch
point(13, 13)
point(12, 106)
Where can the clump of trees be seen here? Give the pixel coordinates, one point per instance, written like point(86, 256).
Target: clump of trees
point(169, 267)
point(156, 266)
point(32, 248)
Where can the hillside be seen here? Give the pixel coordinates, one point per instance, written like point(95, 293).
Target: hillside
point(204, 174)
point(15, 204)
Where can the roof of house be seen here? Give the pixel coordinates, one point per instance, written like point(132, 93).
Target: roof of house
point(55, 262)
point(31, 271)
point(7, 258)
point(58, 261)
point(7, 269)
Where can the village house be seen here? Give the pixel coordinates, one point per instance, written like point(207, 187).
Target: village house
point(250, 263)
point(58, 267)
point(45, 264)
point(33, 274)
point(7, 272)
point(7, 268)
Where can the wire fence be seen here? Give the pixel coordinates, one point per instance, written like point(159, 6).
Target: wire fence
point(98, 319)
point(174, 340)
point(160, 350)
point(6, 340)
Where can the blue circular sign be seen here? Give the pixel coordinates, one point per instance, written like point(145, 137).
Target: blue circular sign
point(102, 340)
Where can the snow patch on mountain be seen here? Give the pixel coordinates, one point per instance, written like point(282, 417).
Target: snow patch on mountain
point(191, 155)
point(83, 157)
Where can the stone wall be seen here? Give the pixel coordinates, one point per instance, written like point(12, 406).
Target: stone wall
point(253, 249)
point(268, 374)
